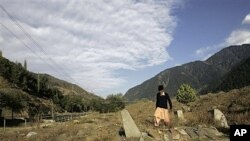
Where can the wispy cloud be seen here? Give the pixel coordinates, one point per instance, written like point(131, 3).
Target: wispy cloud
point(90, 39)
point(236, 37)
point(206, 52)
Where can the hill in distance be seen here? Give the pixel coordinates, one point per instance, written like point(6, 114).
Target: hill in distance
point(68, 88)
point(34, 93)
point(204, 76)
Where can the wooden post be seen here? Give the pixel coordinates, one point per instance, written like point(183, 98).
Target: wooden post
point(52, 109)
point(25, 122)
point(4, 124)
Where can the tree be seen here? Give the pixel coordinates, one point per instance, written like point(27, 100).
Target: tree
point(14, 99)
point(186, 94)
point(16, 74)
point(72, 103)
point(115, 102)
point(96, 104)
point(25, 65)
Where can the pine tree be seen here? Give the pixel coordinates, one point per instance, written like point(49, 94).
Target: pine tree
point(25, 65)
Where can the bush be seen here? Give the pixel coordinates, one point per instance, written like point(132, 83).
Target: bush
point(13, 99)
point(115, 102)
point(72, 103)
point(112, 103)
point(186, 94)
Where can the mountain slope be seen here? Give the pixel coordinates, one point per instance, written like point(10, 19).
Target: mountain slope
point(16, 76)
point(35, 93)
point(237, 78)
point(198, 74)
point(67, 88)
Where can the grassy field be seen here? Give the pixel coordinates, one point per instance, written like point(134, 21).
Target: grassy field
point(94, 126)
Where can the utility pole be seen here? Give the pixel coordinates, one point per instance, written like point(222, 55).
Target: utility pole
point(52, 110)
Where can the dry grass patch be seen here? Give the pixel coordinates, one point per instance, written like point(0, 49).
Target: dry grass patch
point(235, 104)
point(93, 127)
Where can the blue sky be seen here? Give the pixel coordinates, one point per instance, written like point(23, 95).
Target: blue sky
point(107, 47)
point(200, 24)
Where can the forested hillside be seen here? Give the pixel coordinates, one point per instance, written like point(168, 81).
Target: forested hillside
point(237, 78)
point(22, 90)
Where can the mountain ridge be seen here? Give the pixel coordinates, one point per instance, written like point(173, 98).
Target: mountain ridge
point(198, 74)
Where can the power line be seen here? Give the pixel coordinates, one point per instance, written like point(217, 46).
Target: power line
point(26, 45)
point(20, 27)
point(30, 37)
point(34, 42)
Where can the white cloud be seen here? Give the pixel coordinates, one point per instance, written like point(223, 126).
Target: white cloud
point(246, 19)
point(236, 37)
point(91, 40)
point(1, 39)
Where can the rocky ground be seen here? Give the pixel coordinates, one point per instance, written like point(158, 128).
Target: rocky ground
point(196, 126)
point(107, 127)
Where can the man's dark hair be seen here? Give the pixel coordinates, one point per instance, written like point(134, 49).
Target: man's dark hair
point(160, 87)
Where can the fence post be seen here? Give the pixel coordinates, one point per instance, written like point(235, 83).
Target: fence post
point(52, 109)
point(25, 122)
point(4, 124)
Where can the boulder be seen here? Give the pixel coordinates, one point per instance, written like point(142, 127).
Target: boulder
point(31, 134)
point(182, 132)
point(48, 121)
point(47, 125)
point(212, 132)
point(191, 132)
point(76, 121)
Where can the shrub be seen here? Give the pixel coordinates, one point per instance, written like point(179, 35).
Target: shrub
point(112, 103)
point(13, 99)
point(186, 94)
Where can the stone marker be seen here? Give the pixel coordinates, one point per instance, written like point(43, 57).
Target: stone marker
point(180, 115)
point(130, 128)
point(220, 118)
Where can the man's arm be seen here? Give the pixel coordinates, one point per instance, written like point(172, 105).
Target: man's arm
point(170, 102)
point(156, 103)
